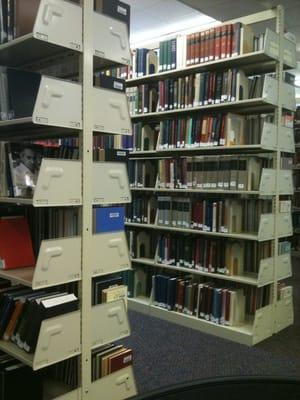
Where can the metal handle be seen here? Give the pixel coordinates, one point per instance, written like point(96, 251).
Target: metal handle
point(49, 254)
point(50, 173)
point(119, 106)
point(51, 10)
point(124, 379)
point(119, 175)
point(116, 312)
point(49, 94)
point(120, 36)
point(117, 243)
point(48, 334)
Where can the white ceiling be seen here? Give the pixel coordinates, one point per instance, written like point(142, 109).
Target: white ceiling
point(153, 18)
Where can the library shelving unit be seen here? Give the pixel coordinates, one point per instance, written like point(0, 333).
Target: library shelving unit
point(64, 108)
point(296, 201)
point(277, 55)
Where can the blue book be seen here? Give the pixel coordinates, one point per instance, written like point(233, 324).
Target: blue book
point(109, 219)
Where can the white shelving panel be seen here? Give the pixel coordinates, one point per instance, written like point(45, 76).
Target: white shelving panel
point(111, 112)
point(59, 339)
point(58, 262)
point(110, 253)
point(114, 323)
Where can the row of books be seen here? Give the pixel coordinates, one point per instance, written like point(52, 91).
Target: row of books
point(224, 41)
point(142, 173)
point(109, 359)
point(200, 131)
point(212, 215)
point(212, 172)
point(232, 257)
point(186, 92)
point(221, 305)
point(142, 209)
point(109, 288)
point(23, 310)
point(212, 130)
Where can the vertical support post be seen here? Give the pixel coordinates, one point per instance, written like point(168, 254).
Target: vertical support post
point(278, 121)
point(87, 187)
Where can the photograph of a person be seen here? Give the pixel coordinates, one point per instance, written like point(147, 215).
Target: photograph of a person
point(25, 160)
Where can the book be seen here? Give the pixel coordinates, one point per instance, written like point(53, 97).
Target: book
point(16, 250)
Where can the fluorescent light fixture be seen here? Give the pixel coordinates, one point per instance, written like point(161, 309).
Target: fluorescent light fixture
point(185, 26)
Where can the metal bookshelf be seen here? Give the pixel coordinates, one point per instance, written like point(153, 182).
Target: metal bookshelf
point(63, 108)
point(278, 54)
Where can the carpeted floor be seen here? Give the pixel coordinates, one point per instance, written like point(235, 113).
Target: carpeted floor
point(167, 354)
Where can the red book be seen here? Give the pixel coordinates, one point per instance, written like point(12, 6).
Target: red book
point(15, 243)
point(211, 50)
point(193, 48)
point(206, 50)
point(120, 360)
point(188, 50)
point(197, 47)
point(210, 129)
point(217, 43)
point(229, 40)
point(202, 46)
point(223, 41)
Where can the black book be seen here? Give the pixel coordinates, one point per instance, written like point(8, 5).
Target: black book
point(3, 21)
point(112, 83)
point(99, 284)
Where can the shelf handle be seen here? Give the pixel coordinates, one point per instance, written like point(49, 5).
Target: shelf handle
point(119, 106)
point(116, 312)
point(117, 243)
point(51, 173)
point(49, 254)
point(51, 10)
point(124, 380)
point(118, 174)
point(48, 334)
point(120, 36)
point(49, 94)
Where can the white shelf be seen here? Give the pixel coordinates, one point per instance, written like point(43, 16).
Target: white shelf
point(110, 253)
point(114, 323)
point(111, 40)
point(111, 112)
point(265, 232)
point(249, 333)
point(111, 185)
point(264, 277)
point(59, 339)
point(58, 262)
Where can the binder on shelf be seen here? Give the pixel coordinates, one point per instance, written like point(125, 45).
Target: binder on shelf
point(58, 184)
point(59, 339)
point(111, 112)
point(111, 184)
point(119, 385)
point(111, 40)
point(110, 253)
point(114, 323)
point(58, 262)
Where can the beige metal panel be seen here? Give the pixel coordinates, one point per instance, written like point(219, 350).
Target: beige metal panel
point(268, 136)
point(58, 262)
point(271, 44)
point(266, 227)
point(111, 112)
point(288, 96)
point(285, 184)
point(109, 323)
point(284, 266)
point(284, 225)
point(109, 253)
point(284, 313)
point(52, 19)
point(59, 339)
point(289, 53)
point(110, 183)
point(58, 184)
point(58, 103)
point(286, 140)
point(270, 90)
point(111, 39)
point(266, 271)
point(267, 182)
point(117, 386)
point(262, 326)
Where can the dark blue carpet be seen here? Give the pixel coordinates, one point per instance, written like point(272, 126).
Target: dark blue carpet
point(167, 354)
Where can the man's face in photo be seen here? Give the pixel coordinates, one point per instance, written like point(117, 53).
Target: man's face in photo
point(27, 157)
